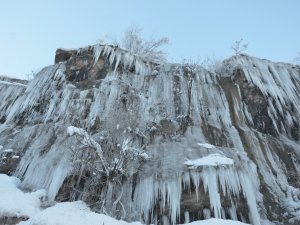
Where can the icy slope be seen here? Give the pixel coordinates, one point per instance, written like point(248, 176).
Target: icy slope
point(247, 113)
point(10, 90)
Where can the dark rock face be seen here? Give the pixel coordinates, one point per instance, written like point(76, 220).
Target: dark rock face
point(83, 72)
point(8, 164)
point(246, 113)
point(62, 55)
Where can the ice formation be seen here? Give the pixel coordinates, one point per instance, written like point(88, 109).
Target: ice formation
point(229, 181)
point(248, 112)
point(15, 203)
point(116, 56)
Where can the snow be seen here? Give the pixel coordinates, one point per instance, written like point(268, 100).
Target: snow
point(12, 83)
point(78, 213)
point(210, 160)
point(71, 130)
point(206, 145)
point(217, 222)
point(72, 213)
point(14, 202)
point(7, 150)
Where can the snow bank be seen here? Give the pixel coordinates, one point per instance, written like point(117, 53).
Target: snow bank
point(72, 213)
point(217, 222)
point(78, 213)
point(14, 202)
point(210, 160)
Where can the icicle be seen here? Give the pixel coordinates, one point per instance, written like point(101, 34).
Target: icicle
point(148, 192)
point(145, 196)
point(118, 56)
point(232, 211)
point(174, 194)
point(165, 220)
point(186, 217)
point(248, 189)
point(43, 172)
point(196, 178)
point(229, 181)
point(118, 59)
point(206, 213)
point(243, 218)
point(223, 214)
point(210, 183)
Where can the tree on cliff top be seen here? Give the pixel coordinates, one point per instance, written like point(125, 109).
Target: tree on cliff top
point(150, 50)
point(239, 46)
point(133, 41)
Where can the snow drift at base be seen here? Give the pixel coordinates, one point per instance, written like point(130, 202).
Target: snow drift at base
point(15, 203)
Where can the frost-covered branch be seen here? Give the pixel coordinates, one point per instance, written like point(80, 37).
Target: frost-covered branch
point(104, 164)
point(149, 50)
point(88, 140)
point(133, 152)
point(239, 47)
point(116, 160)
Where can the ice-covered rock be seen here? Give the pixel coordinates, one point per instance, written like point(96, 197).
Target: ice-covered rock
point(248, 112)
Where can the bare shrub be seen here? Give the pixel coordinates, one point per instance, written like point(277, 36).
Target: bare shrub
point(133, 41)
point(239, 47)
point(102, 167)
point(146, 49)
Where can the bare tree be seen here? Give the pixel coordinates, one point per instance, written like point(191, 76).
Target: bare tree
point(32, 74)
point(149, 50)
point(239, 47)
point(106, 166)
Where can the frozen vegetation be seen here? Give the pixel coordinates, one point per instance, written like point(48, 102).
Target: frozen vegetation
point(155, 143)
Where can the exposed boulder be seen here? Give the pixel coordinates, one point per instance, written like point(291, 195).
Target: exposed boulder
point(62, 55)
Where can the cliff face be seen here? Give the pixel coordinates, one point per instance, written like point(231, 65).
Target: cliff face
point(158, 142)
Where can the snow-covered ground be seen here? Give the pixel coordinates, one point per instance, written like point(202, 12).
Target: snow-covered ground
point(16, 203)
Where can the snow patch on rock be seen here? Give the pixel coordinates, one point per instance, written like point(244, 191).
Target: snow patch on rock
point(206, 145)
point(210, 160)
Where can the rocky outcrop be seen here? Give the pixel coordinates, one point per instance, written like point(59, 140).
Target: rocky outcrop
point(12, 220)
point(164, 116)
point(62, 55)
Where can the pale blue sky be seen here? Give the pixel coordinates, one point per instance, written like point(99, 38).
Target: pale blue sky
point(31, 30)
